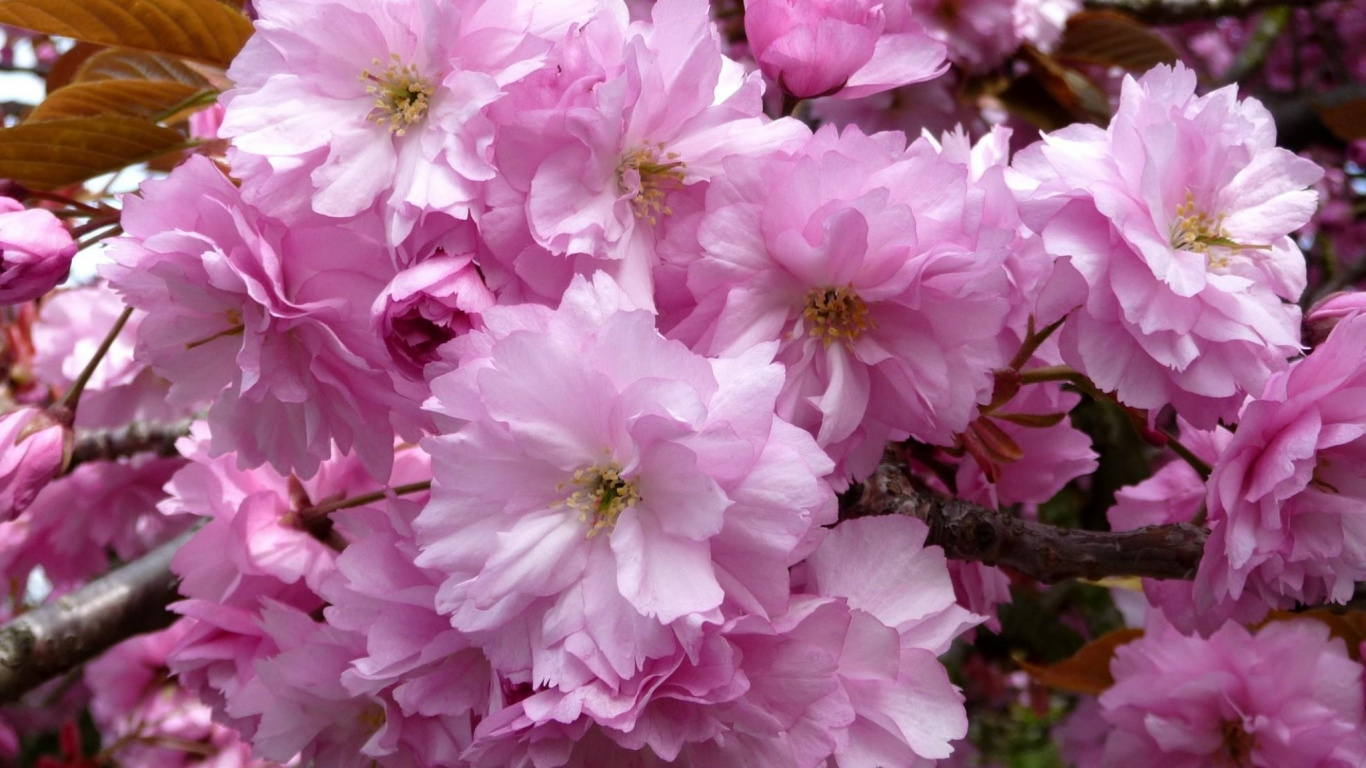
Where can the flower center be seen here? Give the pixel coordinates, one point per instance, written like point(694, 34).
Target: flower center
point(602, 496)
point(837, 314)
point(659, 172)
point(402, 95)
point(1238, 744)
point(235, 328)
point(372, 718)
point(1196, 231)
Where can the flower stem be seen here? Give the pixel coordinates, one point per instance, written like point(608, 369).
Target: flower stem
point(323, 510)
point(73, 396)
point(1198, 464)
point(1033, 340)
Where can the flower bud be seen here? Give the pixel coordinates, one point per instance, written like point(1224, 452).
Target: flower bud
point(427, 305)
point(1324, 316)
point(33, 450)
point(811, 47)
point(35, 252)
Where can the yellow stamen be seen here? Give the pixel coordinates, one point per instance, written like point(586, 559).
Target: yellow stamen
point(1198, 232)
point(402, 95)
point(603, 495)
point(660, 173)
point(837, 314)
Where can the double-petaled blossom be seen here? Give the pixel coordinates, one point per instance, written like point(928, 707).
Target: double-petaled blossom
point(1171, 233)
point(33, 449)
point(387, 107)
point(871, 264)
point(822, 47)
point(1285, 501)
point(35, 252)
point(606, 169)
point(1286, 697)
point(148, 719)
point(607, 491)
point(267, 320)
point(848, 675)
point(260, 547)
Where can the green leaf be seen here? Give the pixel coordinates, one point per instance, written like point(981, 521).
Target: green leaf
point(57, 153)
point(202, 30)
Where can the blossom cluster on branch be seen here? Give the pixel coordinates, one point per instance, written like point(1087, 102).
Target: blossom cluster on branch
point(510, 370)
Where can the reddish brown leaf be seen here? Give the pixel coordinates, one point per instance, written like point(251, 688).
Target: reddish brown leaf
point(1088, 670)
point(56, 153)
point(1112, 40)
point(150, 100)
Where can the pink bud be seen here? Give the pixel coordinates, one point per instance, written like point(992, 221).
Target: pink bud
point(33, 449)
point(35, 252)
point(427, 305)
point(1324, 316)
point(811, 47)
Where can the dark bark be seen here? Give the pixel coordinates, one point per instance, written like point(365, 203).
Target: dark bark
point(73, 629)
point(1050, 554)
point(138, 437)
point(1179, 11)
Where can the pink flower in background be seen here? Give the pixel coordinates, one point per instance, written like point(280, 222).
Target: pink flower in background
point(71, 325)
point(35, 252)
point(1286, 697)
point(1171, 230)
point(426, 306)
point(145, 716)
point(979, 34)
point(821, 47)
point(1285, 506)
point(388, 106)
point(870, 264)
point(269, 321)
point(668, 489)
point(33, 449)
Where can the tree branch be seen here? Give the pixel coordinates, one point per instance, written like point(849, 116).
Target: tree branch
point(1044, 552)
point(73, 629)
point(135, 438)
point(1179, 11)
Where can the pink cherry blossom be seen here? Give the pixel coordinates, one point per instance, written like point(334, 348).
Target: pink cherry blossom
point(1286, 697)
point(870, 264)
point(822, 47)
point(1285, 514)
point(668, 489)
point(35, 252)
point(33, 449)
point(1324, 316)
point(1171, 230)
point(600, 174)
point(267, 320)
point(147, 719)
point(388, 106)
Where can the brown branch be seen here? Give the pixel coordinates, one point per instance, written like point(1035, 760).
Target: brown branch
point(73, 629)
point(970, 532)
point(1180, 11)
point(138, 437)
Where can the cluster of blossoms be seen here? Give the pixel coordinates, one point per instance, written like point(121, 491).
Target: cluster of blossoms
point(528, 357)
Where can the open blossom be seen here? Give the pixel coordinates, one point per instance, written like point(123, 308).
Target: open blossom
point(35, 252)
point(33, 449)
point(388, 106)
point(1285, 697)
point(1285, 500)
point(604, 171)
point(1171, 229)
point(267, 320)
point(871, 266)
point(849, 673)
point(822, 47)
point(668, 489)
